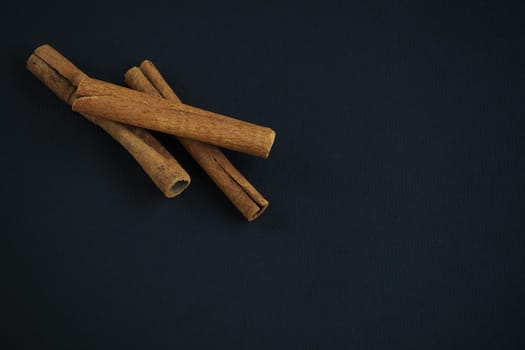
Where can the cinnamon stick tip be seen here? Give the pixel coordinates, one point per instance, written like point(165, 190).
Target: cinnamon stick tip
point(44, 47)
point(262, 208)
point(30, 61)
point(177, 187)
point(130, 72)
point(271, 140)
point(146, 63)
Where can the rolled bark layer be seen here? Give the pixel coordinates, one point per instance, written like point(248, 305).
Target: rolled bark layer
point(102, 99)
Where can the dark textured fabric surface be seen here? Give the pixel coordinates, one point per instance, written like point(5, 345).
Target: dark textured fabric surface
point(396, 181)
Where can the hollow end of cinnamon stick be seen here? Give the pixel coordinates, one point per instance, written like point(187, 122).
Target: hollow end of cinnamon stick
point(177, 188)
point(172, 186)
point(256, 214)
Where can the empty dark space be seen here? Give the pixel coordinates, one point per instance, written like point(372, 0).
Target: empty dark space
point(396, 182)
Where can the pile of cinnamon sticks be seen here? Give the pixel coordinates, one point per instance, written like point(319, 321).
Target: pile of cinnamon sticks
point(150, 103)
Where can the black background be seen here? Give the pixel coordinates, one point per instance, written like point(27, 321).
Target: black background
point(396, 181)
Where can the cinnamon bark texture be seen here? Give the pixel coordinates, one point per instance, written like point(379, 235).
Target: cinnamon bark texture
point(98, 98)
point(62, 77)
point(211, 159)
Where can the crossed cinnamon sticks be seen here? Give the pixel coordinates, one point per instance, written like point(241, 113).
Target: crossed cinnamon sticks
point(123, 113)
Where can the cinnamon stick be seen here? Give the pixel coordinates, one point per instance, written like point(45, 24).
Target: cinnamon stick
point(98, 98)
point(62, 77)
point(212, 160)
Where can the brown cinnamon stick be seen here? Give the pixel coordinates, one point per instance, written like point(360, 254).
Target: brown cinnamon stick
point(98, 98)
point(62, 77)
point(211, 159)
